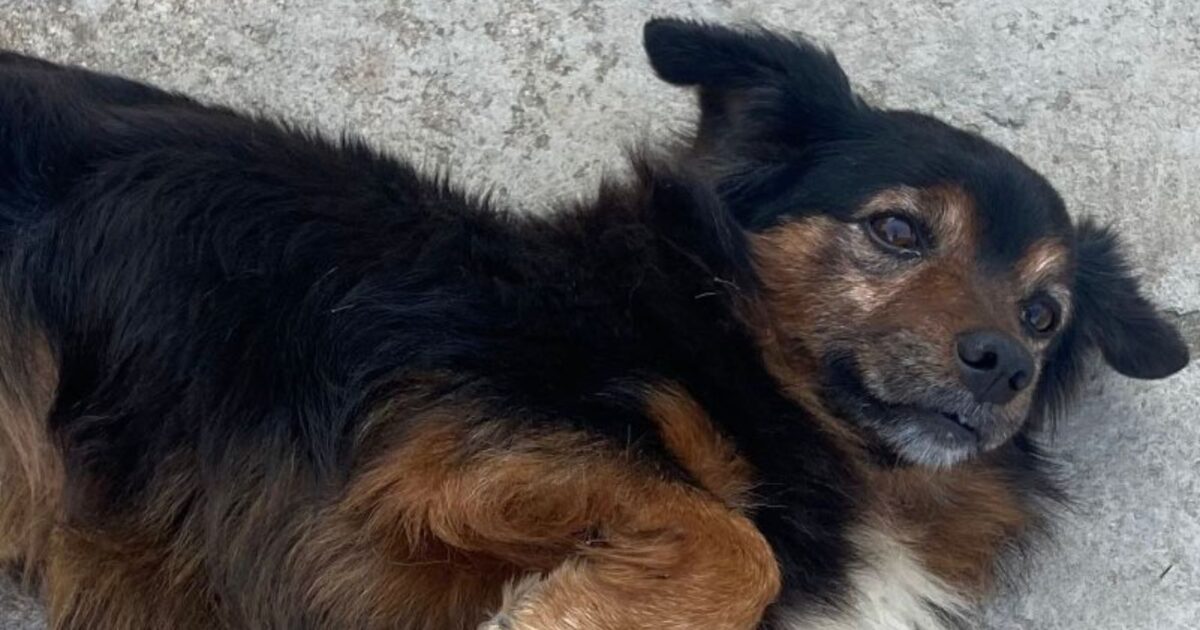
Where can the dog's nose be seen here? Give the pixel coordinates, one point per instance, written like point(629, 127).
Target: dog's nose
point(993, 365)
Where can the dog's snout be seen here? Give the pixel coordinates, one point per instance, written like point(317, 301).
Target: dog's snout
point(993, 366)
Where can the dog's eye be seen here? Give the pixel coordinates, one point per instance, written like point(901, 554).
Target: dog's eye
point(1040, 315)
point(895, 232)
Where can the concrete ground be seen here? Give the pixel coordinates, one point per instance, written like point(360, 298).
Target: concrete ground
point(535, 98)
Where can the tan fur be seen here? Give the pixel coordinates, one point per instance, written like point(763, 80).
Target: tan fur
point(30, 466)
point(957, 520)
point(436, 524)
point(783, 323)
point(953, 213)
point(123, 581)
point(685, 564)
point(689, 435)
point(1045, 261)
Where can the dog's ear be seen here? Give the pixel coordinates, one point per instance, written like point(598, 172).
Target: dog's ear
point(764, 86)
point(1130, 333)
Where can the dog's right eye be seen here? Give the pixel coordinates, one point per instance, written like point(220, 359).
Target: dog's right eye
point(895, 233)
point(1041, 315)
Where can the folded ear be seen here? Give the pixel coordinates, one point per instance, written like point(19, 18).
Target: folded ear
point(1130, 333)
point(775, 87)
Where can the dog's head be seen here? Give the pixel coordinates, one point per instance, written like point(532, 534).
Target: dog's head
point(934, 281)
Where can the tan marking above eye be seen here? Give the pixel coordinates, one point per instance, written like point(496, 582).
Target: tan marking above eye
point(901, 197)
point(956, 218)
point(1046, 260)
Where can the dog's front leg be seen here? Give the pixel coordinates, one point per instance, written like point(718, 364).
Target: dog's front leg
point(606, 541)
point(679, 561)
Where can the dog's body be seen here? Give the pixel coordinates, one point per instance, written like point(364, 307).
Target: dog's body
point(252, 378)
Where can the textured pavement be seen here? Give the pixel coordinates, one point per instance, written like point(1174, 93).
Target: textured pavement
point(536, 98)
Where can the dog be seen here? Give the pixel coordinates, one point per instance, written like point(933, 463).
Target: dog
point(787, 375)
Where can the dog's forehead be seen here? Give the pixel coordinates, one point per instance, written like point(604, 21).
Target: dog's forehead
point(1012, 206)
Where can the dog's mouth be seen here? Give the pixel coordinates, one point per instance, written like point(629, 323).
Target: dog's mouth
point(953, 422)
point(922, 435)
point(931, 435)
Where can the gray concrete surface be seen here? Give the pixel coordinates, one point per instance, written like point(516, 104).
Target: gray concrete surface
point(535, 98)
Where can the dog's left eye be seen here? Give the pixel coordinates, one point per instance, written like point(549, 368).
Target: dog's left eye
point(895, 233)
point(1040, 315)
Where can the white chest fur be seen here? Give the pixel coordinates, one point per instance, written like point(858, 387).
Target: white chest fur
point(890, 590)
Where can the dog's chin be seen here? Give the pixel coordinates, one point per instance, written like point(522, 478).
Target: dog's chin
point(925, 437)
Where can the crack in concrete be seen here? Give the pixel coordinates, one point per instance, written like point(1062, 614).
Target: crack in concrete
point(1008, 122)
point(1188, 323)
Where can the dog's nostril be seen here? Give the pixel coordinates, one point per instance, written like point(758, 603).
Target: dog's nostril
point(978, 358)
point(988, 362)
point(1019, 381)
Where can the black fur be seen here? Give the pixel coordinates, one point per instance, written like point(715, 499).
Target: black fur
point(243, 290)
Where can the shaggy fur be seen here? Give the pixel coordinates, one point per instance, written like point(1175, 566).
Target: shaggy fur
point(253, 378)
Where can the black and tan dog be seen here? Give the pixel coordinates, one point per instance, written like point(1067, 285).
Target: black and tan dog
point(252, 378)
